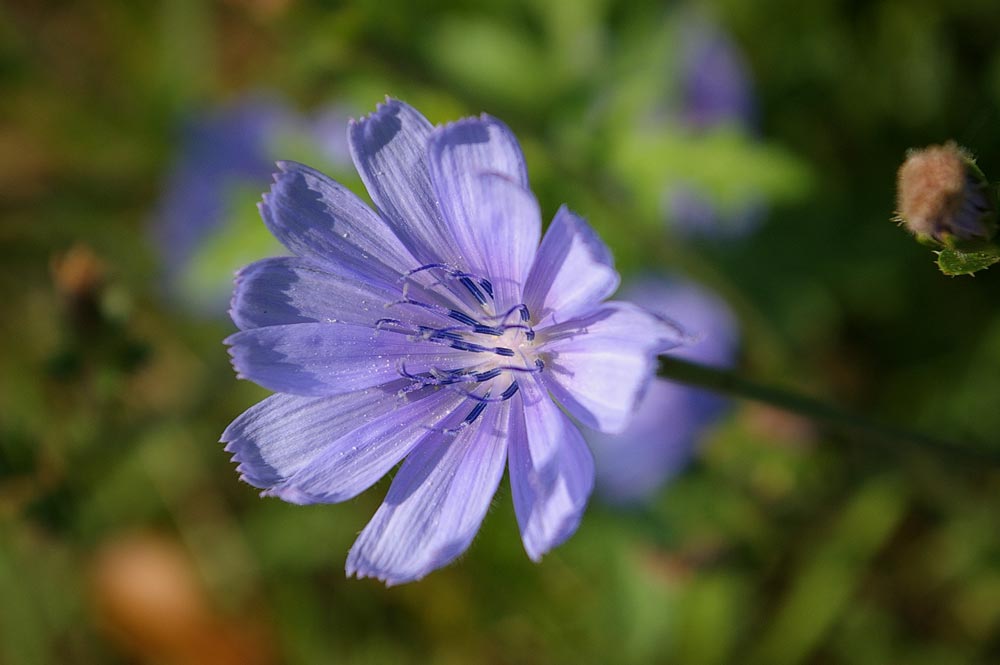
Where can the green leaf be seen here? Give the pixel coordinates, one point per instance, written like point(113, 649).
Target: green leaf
point(953, 262)
point(823, 588)
point(727, 163)
point(494, 59)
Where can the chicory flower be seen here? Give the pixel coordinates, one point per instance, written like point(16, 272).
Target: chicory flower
point(714, 90)
point(715, 82)
point(434, 331)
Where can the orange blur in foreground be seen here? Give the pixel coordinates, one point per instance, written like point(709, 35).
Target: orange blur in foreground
point(150, 603)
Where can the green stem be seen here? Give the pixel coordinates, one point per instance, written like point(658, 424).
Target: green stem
point(729, 383)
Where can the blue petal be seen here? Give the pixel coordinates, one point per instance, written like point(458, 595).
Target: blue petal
point(292, 290)
point(279, 435)
point(389, 148)
point(551, 472)
point(598, 365)
point(332, 358)
point(435, 504)
point(329, 449)
point(478, 172)
point(319, 219)
point(572, 272)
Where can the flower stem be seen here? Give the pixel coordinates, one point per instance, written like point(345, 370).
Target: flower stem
point(729, 383)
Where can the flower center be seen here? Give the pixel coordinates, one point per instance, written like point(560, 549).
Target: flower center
point(497, 348)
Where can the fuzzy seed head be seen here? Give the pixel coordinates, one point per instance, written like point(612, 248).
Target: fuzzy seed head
point(943, 197)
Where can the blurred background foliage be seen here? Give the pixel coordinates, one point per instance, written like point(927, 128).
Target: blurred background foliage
point(124, 533)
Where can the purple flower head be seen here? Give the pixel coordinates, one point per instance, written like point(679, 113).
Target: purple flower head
point(715, 89)
point(670, 418)
point(715, 85)
point(436, 331)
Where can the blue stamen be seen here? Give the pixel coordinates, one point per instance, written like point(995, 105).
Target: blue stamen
point(423, 380)
point(488, 374)
point(503, 351)
point(473, 289)
point(437, 377)
point(509, 392)
point(429, 266)
point(417, 303)
point(462, 317)
point(447, 375)
point(528, 331)
point(477, 410)
point(503, 317)
point(392, 325)
point(434, 334)
point(488, 330)
point(462, 345)
point(475, 285)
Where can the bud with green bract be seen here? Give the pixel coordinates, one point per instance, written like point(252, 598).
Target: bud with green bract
point(944, 199)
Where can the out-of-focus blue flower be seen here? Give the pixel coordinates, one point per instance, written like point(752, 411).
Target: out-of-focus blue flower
point(715, 84)
point(222, 153)
point(327, 128)
point(435, 330)
point(670, 418)
point(216, 150)
point(714, 91)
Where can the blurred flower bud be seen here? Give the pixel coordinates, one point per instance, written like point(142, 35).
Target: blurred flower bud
point(944, 199)
point(80, 278)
